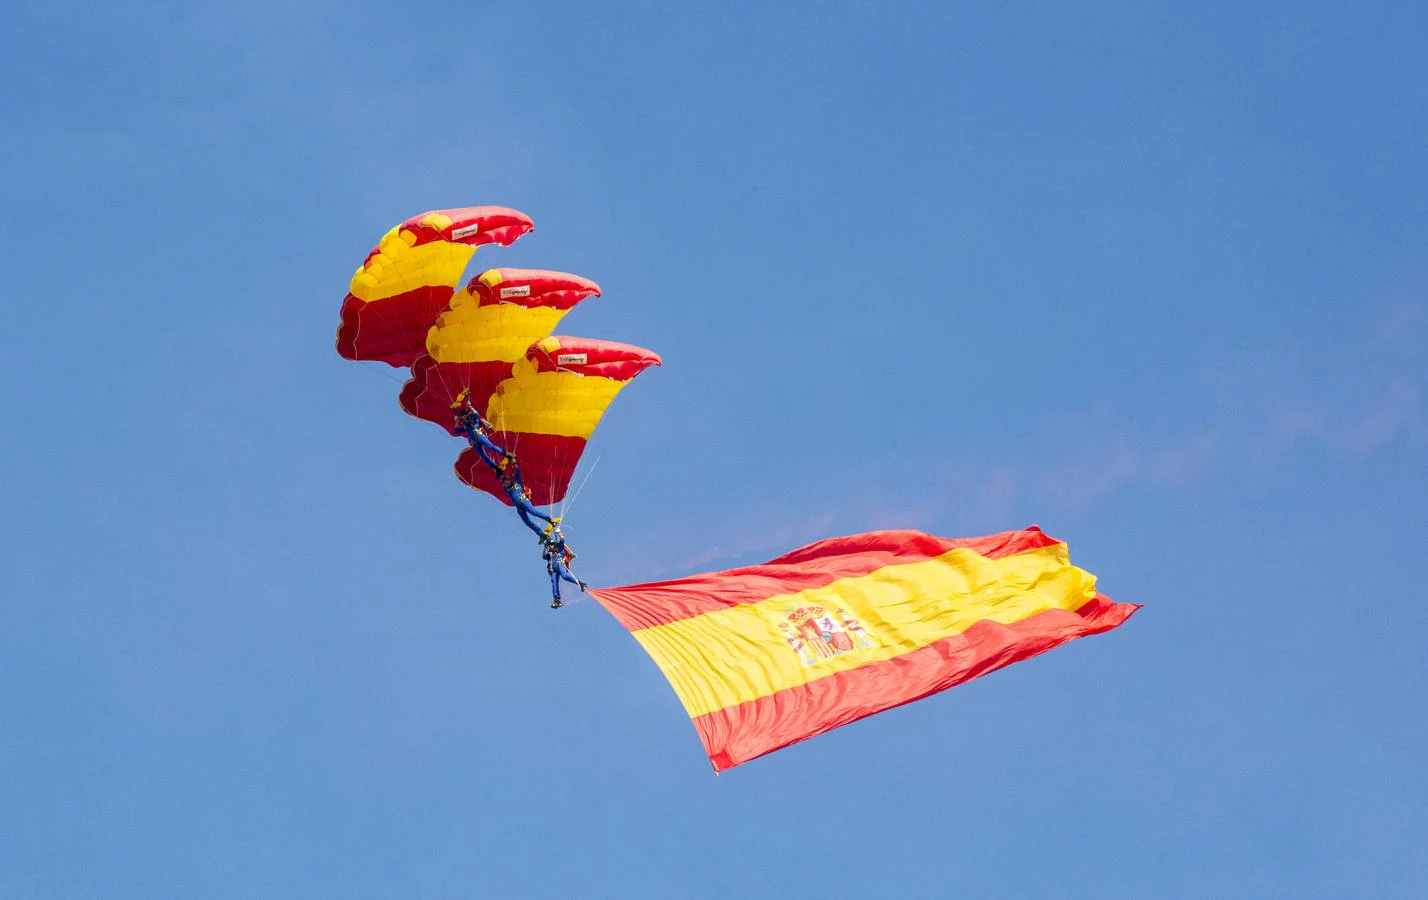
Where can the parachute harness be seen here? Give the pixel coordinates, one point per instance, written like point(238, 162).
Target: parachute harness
point(503, 464)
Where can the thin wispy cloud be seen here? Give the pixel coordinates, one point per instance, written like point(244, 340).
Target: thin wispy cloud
point(1369, 392)
point(1225, 437)
point(1098, 472)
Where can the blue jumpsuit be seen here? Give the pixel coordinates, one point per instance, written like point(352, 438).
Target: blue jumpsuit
point(555, 553)
point(515, 490)
point(473, 428)
point(490, 454)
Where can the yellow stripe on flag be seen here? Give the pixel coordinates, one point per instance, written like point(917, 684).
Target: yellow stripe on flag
point(731, 656)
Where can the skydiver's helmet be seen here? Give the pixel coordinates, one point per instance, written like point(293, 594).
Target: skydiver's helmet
point(472, 421)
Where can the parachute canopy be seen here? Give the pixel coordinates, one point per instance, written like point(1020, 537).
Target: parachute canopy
point(547, 409)
point(486, 329)
point(408, 278)
point(490, 341)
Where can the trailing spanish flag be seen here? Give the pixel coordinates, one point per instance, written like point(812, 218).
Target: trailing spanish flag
point(765, 656)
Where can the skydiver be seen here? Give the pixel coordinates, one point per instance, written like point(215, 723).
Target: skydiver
point(557, 558)
point(520, 496)
point(476, 429)
point(473, 426)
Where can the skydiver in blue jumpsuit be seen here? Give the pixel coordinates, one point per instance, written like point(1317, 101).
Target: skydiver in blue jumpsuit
point(520, 496)
point(471, 425)
point(557, 558)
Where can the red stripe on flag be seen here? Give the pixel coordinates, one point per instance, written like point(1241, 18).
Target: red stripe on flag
point(817, 565)
point(740, 733)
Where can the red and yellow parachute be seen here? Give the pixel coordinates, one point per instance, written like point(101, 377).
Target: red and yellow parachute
point(408, 278)
point(548, 408)
point(544, 395)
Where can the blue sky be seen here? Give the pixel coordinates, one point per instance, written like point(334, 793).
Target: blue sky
point(1149, 275)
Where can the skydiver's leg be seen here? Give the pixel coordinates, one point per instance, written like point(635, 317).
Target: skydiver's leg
point(564, 572)
point(554, 586)
point(490, 445)
point(490, 454)
point(526, 504)
point(525, 517)
point(526, 512)
point(486, 458)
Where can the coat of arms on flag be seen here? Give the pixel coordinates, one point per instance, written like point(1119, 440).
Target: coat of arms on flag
point(817, 633)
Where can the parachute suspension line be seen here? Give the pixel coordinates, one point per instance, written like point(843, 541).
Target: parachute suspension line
point(450, 389)
point(564, 455)
point(412, 334)
point(569, 502)
point(381, 369)
point(557, 458)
